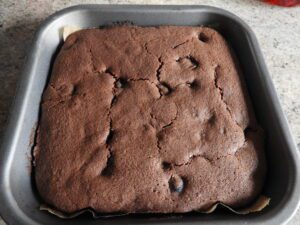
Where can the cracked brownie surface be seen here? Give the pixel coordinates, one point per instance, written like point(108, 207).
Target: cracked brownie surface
point(147, 119)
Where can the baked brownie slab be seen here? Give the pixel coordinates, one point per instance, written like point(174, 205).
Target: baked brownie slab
point(147, 119)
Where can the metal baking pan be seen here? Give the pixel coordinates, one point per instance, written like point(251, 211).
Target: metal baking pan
point(19, 202)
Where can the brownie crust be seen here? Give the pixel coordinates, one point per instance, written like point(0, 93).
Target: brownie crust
point(147, 119)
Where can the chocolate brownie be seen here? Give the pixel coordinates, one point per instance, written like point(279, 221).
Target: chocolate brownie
point(147, 119)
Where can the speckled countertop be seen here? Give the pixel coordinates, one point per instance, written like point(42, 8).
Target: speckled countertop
point(277, 30)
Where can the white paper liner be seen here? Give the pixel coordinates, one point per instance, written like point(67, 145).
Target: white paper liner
point(257, 206)
point(67, 30)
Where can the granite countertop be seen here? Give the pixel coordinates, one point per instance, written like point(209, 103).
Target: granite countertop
point(277, 30)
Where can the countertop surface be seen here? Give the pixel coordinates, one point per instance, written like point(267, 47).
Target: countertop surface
point(277, 30)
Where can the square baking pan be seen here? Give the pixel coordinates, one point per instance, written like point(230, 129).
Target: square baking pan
point(19, 201)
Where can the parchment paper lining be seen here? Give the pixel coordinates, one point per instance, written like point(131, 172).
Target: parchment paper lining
point(257, 206)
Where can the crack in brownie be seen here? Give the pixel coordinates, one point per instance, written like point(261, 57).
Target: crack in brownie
point(147, 119)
